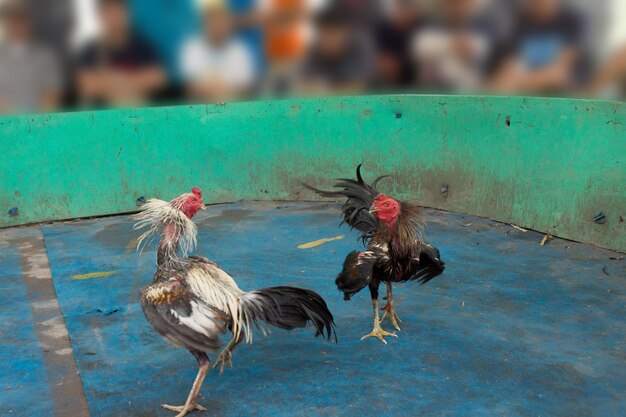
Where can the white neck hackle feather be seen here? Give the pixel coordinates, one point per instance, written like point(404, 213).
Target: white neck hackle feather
point(157, 216)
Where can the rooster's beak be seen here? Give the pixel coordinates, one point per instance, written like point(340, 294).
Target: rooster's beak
point(373, 209)
point(203, 207)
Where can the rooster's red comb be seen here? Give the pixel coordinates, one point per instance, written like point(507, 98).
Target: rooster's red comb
point(196, 191)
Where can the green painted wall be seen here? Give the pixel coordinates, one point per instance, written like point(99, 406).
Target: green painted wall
point(545, 164)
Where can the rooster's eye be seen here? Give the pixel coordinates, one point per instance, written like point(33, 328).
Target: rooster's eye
point(386, 204)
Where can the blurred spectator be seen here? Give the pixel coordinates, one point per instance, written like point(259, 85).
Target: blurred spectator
point(30, 77)
point(453, 51)
point(363, 12)
point(545, 53)
point(402, 18)
point(53, 24)
point(284, 25)
point(282, 47)
point(216, 66)
point(246, 18)
point(610, 80)
point(340, 60)
point(119, 68)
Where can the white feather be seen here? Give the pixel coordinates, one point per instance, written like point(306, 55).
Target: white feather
point(218, 289)
point(156, 215)
point(201, 320)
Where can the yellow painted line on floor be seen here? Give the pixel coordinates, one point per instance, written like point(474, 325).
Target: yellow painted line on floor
point(94, 275)
point(132, 244)
point(319, 242)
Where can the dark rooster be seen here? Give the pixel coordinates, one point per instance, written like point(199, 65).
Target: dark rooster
point(396, 251)
point(192, 301)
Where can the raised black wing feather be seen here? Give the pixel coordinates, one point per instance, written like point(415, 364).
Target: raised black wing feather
point(359, 198)
point(359, 268)
point(357, 272)
point(428, 266)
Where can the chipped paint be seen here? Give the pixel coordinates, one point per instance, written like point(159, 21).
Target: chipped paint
point(319, 242)
point(60, 367)
point(508, 321)
point(464, 142)
point(91, 275)
point(511, 328)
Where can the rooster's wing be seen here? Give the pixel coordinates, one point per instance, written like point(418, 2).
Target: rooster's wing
point(181, 317)
point(426, 266)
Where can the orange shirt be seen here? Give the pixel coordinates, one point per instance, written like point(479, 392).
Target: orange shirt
point(284, 30)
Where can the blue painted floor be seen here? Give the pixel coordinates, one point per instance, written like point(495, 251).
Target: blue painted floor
point(512, 328)
point(22, 366)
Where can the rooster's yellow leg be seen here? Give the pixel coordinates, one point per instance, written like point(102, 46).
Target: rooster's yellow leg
point(378, 332)
point(191, 403)
point(391, 309)
point(226, 355)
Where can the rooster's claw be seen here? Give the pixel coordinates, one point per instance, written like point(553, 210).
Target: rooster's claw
point(182, 410)
point(379, 334)
point(226, 357)
point(390, 310)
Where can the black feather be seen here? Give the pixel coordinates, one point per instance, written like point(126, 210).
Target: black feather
point(428, 266)
point(356, 274)
point(289, 308)
point(360, 197)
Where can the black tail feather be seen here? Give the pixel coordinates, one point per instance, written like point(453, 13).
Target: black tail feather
point(289, 308)
point(359, 197)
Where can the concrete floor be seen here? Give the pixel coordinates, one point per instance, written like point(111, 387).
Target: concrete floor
point(512, 328)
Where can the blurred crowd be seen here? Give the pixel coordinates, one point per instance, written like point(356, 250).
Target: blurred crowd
point(245, 49)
